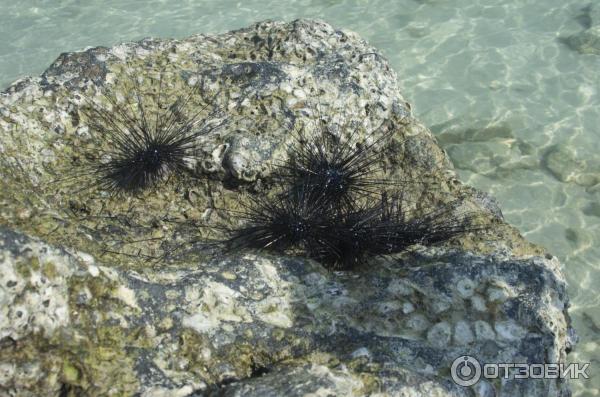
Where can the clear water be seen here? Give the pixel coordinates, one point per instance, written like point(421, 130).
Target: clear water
point(490, 77)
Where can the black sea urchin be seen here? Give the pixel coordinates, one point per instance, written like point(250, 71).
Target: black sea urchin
point(333, 206)
point(354, 236)
point(141, 140)
point(344, 238)
point(285, 221)
point(341, 170)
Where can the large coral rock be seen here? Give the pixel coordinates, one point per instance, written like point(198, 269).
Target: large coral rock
point(81, 313)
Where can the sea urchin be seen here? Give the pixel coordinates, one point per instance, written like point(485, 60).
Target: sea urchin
point(140, 141)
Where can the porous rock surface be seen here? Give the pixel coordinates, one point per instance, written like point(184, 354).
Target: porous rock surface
point(81, 314)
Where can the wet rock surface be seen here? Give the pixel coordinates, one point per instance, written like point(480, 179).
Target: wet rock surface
point(83, 313)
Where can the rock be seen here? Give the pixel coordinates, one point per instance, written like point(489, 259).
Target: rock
point(585, 42)
point(212, 331)
point(588, 40)
point(484, 331)
point(86, 310)
point(462, 333)
point(439, 335)
point(561, 163)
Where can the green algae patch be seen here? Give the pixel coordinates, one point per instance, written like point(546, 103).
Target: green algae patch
point(70, 373)
point(196, 350)
point(49, 270)
point(25, 268)
point(69, 361)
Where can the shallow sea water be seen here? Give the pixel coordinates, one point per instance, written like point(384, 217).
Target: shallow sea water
point(517, 109)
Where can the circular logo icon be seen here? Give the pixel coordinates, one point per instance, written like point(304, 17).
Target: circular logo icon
point(465, 371)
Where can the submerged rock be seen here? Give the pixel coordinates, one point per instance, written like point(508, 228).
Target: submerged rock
point(588, 40)
point(83, 313)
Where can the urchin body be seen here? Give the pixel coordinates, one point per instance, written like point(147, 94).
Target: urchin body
point(283, 222)
point(139, 165)
point(341, 171)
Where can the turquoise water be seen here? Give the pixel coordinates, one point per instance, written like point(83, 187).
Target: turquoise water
point(517, 110)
